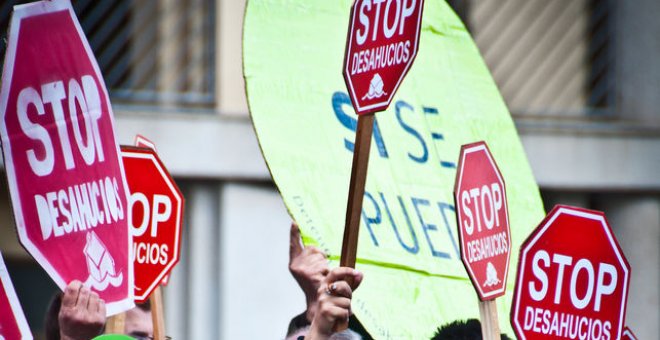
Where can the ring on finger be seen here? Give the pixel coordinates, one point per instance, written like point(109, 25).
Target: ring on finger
point(330, 288)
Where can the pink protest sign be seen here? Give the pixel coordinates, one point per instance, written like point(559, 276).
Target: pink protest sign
point(65, 174)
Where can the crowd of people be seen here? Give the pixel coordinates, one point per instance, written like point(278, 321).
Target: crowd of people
point(79, 314)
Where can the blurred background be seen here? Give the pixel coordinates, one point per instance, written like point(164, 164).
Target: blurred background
point(581, 79)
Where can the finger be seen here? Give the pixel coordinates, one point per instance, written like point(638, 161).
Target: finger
point(93, 305)
point(342, 323)
point(357, 279)
point(350, 275)
point(295, 242)
point(71, 294)
point(341, 289)
point(102, 310)
point(336, 315)
point(83, 298)
point(327, 301)
point(339, 301)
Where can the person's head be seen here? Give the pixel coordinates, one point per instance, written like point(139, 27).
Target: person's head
point(138, 322)
point(462, 330)
point(346, 334)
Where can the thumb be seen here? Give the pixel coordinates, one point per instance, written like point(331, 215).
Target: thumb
point(295, 242)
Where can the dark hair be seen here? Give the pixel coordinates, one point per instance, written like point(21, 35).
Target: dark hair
point(145, 306)
point(51, 322)
point(462, 330)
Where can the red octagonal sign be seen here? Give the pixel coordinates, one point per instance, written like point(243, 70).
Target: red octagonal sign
point(483, 220)
point(572, 280)
point(157, 213)
point(65, 176)
point(382, 43)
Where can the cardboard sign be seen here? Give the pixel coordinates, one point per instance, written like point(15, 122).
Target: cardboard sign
point(483, 220)
point(156, 206)
point(572, 280)
point(13, 324)
point(383, 38)
point(306, 125)
point(65, 176)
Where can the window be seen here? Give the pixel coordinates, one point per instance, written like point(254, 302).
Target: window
point(151, 52)
point(548, 58)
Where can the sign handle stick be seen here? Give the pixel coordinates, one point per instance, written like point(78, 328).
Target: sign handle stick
point(356, 189)
point(157, 316)
point(490, 327)
point(355, 195)
point(115, 324)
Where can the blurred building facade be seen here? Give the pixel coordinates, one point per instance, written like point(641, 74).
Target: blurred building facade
point(581, 78)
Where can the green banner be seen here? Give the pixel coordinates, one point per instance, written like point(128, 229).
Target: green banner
point(408, 248)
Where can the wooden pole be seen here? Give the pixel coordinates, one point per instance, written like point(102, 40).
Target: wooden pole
point(490, 326)
point(157, 315)
point(356, 189)
point(355, 196)
point(116, 324)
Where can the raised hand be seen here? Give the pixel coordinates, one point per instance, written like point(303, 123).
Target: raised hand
point(82, 314)
point(334, 302)
point(309, 266)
